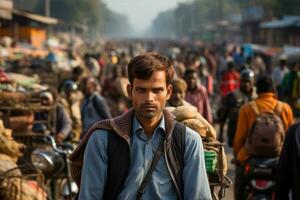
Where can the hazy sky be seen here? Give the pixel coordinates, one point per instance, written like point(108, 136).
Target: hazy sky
point(141, 12)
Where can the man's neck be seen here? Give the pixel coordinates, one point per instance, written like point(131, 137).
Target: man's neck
point(149, 125)
point(248, 93)
point(89, 95)
point(193, 89)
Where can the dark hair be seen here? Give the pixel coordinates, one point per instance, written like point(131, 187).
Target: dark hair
point(283, 62)
point(179, 84)
point(265, 84)
point(143, 66)
point(230, 65)
point(91, 79)
point(77, 71)
point(53, 92)
point(190, 71)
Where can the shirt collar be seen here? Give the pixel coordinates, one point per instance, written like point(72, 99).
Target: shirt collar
point(89, 98)
point(267, 94)
point(137, 127)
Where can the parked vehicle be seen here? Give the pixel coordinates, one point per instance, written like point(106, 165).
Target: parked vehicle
point(55, 165)
point(259, 172)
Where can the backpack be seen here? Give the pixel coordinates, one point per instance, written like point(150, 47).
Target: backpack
point(267, 133)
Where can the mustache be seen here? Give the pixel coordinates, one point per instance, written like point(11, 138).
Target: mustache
point(148, 105)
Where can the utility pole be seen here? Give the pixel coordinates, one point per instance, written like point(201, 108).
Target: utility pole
point(48, 14)
point(47, 8)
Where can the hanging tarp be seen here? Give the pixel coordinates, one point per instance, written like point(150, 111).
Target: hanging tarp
point(6, 7)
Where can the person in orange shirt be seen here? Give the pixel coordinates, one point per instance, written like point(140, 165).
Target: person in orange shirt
point(266, 101)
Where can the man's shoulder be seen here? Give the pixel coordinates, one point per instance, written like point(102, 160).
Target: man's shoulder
point(201, 88)
point(100, 125)
point(247, 107)
point(63, 101)
point(286, 106)
point(231, 96)
point(99, 134)
point(60, 108)
point(97, 96)
point(286, 109)
point(192, 136)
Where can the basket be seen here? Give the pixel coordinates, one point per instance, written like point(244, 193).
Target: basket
point(210, 161)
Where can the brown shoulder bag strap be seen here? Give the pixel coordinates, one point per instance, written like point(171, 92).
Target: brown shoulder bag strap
point(278, 111)
point(278, 108)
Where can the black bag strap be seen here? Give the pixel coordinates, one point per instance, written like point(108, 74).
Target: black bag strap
point(176, 156)
point(154, 162)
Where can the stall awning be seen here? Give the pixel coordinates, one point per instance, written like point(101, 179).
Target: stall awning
point(38, 18)
point(285, 22)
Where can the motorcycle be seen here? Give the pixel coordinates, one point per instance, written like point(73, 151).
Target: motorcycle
point(260, 178)
point(55, 164)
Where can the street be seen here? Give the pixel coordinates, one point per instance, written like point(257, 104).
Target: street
point(229, 195)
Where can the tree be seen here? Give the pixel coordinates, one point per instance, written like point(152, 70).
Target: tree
point(30, 5)
point(189, 18)
point(287, 7)
point(92, 13)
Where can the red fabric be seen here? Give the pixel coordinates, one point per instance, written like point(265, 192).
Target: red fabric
point(101, 62)
point(210, 85)
point(230, 82)
point(3, 76)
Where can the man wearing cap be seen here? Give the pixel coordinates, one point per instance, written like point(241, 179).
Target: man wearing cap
point(62, 121)
point(233, 101)
point(70, 99)
point(178, 94)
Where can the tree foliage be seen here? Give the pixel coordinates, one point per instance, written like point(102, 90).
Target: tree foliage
point(279, 7)
point(92, 13)
point(287, 7)
point(188, 18)
point(191, 17)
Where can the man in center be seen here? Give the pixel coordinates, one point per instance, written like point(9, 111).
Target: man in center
point(116, 154)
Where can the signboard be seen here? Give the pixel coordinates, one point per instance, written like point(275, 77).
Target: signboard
point(251, 14)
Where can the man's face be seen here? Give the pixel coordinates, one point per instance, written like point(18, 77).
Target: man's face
point(89, 87)
point(70, 94)
point(45, 101)
point(177, 97)
point(191, 80)
point(246, 85)
point(149, 96)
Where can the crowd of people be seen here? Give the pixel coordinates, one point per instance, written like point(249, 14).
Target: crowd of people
point(228, 86)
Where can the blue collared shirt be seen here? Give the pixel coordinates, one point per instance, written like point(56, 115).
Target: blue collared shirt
point(143, 148)
point(94, 108)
